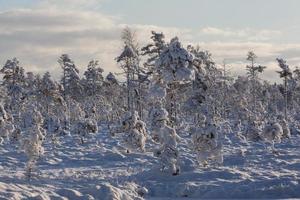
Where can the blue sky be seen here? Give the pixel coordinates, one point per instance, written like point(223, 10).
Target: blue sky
point(38, 31)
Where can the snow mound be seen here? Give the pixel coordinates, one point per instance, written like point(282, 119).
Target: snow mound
point(130, 191)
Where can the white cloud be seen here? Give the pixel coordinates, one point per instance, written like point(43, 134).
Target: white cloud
point(245, 34)
point(40, 35)
point(70, 4)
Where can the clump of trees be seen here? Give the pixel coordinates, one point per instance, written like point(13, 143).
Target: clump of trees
point(169, 91)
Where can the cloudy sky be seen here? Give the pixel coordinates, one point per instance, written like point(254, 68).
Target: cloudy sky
point(37, 32)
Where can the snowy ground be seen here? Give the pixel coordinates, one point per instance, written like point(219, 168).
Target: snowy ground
point(100, 169)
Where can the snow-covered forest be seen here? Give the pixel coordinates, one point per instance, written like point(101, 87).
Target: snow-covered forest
point(172, 124)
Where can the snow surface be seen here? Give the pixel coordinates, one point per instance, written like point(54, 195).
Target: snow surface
point(101, 169)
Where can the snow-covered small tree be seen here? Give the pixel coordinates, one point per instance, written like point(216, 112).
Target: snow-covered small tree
point(135, 132)
point(207, 144)
point(32, 137)
point(6, 125)
point(167, 138)
point(253, 131)
point(93, 89)
point(286, 133)
point(272, 134)
point(85, 127)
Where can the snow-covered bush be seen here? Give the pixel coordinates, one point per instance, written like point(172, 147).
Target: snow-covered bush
point(6, 125)
point(136, 137)
point(207, 144)
point(168, 151)
point(286, 134)
point(167, 138)
point(84, 127)
point(272, 134)
point(135, 132)
point(253, 131)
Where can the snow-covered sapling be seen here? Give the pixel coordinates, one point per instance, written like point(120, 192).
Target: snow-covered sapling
point(167, 137)
point(253, 131)
point(135, 132)
point(286, 133)
point(206, 144)
point(85, 127)
point(6, 125)
point(32, 137)
point(272, 134)
point(136, 137)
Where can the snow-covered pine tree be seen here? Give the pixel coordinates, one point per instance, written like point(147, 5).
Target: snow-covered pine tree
point(54, 107)
point(14, 81)
point(272, 134)
point(72, 87)
point(93, 89)
point(93, 78)
point(167, 138)
point(253, 70)
point(115, 98)
point(31, 83)
point(84, 127)
point(202, 61)
point(70, 79)
point(174, 67)
point(285, 74)
point(32, 136)
point(207, 144)
point(153, 51)
point(253, 130)
point(6, 125)
point(135, 132)
point(286, 133)
point(129, 62)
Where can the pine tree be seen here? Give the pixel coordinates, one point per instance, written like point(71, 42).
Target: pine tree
point(286, 74)
point(53, 104)
point(70, 80)
point(32, 135)
point(93, 78)
point(129, 63)
point(14, 81)
point(115, 98)
point(6, 125)
point(153, 50)
point(174, 67)
point(253, 70)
